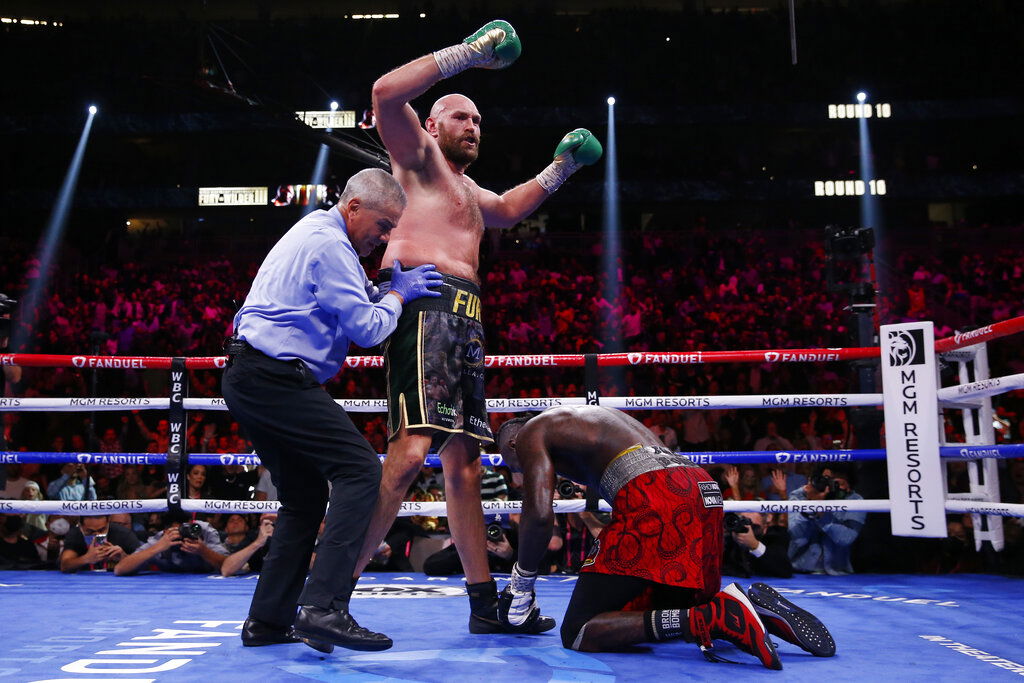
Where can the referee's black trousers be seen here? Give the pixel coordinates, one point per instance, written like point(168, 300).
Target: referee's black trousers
point(305, 440)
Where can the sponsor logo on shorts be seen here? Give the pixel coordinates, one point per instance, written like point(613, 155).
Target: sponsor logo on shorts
point(466, 304)
point(479, 424)
point(391, 590)
point(474, 352)
point(711, 494)
point(448, 410)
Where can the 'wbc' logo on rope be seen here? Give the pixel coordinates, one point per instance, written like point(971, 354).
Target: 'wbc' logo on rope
point(906, 347)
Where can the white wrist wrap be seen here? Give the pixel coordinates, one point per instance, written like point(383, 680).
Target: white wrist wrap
point(455, 59)
point(557, 172)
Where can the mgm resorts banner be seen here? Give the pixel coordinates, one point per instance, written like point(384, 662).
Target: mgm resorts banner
point(911, 430)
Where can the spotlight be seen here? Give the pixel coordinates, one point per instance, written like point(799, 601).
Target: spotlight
point(611, 101)
point(92, 109)
point(861, 96)
point(334, 106)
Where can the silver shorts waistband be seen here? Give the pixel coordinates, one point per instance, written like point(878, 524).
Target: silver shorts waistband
point(632, 464)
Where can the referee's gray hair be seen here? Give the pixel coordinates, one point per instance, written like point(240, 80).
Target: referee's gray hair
point(374, 187)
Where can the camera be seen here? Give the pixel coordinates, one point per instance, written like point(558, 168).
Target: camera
point(829, 486)
point(568, 489)
point(737, 524)
point(99, 539)
point(190, 530)
point(494, 532)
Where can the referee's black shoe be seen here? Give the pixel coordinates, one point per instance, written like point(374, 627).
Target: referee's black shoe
point(337, 627)
point(256, 633)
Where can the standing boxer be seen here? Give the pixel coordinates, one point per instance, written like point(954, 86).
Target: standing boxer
point(309, 299)
point(443, 337)
point(654, 572)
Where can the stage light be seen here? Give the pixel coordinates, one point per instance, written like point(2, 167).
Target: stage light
point(334, 106)
point(92, 109)
point(611, 101)
point(861, 96)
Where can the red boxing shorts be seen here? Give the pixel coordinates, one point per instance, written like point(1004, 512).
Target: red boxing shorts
point(666, 528)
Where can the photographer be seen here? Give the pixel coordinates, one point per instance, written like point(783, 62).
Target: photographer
point(192, 547)
point(249, 558)
point(501, 554)
point(753, 548)
point(96, 542)
point(821, 541)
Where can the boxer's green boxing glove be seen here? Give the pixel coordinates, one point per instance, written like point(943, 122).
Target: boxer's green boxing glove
point(494, 46)
point(577, 148)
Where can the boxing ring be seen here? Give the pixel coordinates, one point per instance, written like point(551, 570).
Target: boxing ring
point(93, 626)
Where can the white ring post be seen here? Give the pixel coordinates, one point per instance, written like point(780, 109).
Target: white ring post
point(912, 431)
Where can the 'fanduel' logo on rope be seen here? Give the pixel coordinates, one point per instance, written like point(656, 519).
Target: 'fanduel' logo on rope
point(961, 337)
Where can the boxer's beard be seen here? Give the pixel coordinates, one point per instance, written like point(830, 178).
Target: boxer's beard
point(453, 150)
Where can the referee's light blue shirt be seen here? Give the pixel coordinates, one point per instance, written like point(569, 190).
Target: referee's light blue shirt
point(309, 298)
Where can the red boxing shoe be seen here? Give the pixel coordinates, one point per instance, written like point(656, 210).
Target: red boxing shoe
point(730, 616)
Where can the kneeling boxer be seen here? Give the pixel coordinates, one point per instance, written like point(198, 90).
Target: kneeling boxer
point(654, 573)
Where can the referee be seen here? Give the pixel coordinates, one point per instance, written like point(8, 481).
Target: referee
point(309, 300)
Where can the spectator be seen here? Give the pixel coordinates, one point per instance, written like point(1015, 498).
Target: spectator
point(35, 524)
point(821, 541)
point(249, 558)
point(74, 483)
point(265, 489)
point(772, 440)
point(236, 532)
point(129, 485)
point(16, 551)
point(95, 542)
point(190, 547)
point(196, 478)
point(16, 482)
point(742, 483)
point(659, 424)
point(233, 482)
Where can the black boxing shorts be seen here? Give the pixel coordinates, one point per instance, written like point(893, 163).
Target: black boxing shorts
point(435, 363)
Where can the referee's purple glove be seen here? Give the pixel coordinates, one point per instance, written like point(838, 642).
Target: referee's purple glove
point(416, 282)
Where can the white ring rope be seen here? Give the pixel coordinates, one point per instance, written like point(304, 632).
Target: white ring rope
point(494, 405)
point(490, 507)
point(951, 395)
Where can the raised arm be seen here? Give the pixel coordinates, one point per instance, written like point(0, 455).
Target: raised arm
point(578, 148)
point(399, 128)
point(494, 46)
